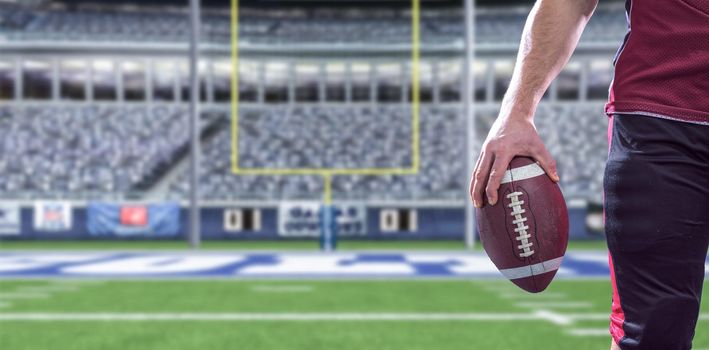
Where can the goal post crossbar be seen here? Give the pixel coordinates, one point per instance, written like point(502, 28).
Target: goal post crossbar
point(329, 172)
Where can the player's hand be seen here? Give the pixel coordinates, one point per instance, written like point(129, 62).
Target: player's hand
point(508, 137)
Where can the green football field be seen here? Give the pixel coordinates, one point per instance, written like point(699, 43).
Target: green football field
point(301, 314)
point(305, 314)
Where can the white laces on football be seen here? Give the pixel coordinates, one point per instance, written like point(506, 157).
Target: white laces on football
point(519, 220)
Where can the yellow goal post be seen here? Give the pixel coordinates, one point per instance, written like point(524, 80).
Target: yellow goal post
point(327, 173)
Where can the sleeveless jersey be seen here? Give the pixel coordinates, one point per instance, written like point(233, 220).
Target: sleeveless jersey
point(662, 68)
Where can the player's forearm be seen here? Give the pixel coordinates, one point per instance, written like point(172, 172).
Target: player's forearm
point(550, 36)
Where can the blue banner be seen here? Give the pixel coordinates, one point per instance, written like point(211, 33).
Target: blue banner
point(115, 220)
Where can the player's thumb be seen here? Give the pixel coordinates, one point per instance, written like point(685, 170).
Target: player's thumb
point(547, 163)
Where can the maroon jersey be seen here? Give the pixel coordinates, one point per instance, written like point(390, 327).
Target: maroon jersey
point(662, 68)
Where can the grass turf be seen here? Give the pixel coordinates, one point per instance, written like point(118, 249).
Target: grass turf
point(304, 297)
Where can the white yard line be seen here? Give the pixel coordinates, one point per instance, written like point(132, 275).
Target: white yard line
point(18, 295)
point(544, 315)
point(555, 304)
point(5, 305)
point(539, 315)
point(302, 317)
point(36, 292)
point(553, 317)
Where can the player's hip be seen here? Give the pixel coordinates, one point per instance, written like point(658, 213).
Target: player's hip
point(656, 181)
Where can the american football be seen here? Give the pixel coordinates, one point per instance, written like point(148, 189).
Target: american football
point(526, 232)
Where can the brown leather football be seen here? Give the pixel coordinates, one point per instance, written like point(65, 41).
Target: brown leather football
point(526, 232)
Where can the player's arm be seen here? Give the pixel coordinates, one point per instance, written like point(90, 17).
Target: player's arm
point(550, 36)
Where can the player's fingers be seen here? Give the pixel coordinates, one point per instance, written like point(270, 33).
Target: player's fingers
point(502, 161)
point(479, 177)
point(547, 163)
point(472, 176)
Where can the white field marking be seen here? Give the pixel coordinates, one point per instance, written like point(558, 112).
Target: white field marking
point(326, 265)
point(5, 305)
point(153, 264)
point(548, 316)
point(298, 317)
point(282, 289)
point(34, 295)
point(589, 332)
point(553, 317)
point(23, 262)
point(555, 304)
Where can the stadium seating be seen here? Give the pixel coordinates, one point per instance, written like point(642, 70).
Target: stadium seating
point(577, 138)
point(116, 150)
point(347, 137)
point(120, 150)
point(82, 151)
point(283, 27)
point(335, 137)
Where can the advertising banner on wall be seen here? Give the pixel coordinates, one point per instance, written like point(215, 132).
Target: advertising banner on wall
point(148, 220)
point(9, 219)
point(302, 219)
point(52, 216)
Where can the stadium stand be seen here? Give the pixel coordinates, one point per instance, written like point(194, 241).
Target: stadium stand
point(84, 151)
point(321, 137)
point(114, 24)
point(574, 135)
point(117, 151)
point(335, 137)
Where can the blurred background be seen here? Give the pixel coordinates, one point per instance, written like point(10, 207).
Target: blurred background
point(318, 152)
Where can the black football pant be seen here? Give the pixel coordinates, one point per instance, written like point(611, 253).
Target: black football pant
point(656, 189)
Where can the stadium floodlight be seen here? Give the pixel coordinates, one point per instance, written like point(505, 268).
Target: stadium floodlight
point(328, 173)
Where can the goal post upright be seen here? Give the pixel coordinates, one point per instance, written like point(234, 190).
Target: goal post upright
point(328, 227)
point(329, 173)
point(415, 84)
point(234, 84)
